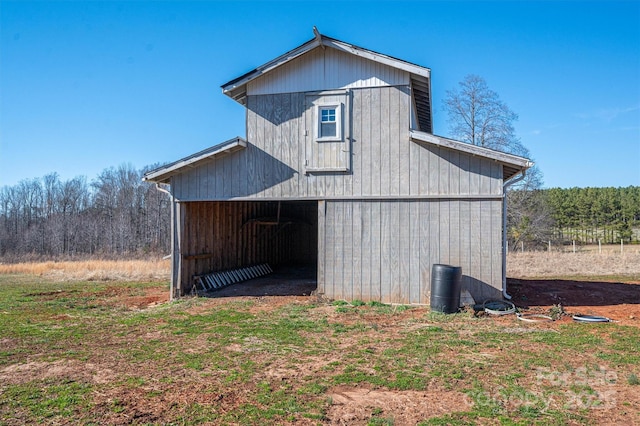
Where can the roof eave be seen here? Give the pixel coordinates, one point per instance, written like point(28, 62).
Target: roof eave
point(164, 173)
point(377, 57)
point(236, 88)
point(231, 87)
point(517, 162)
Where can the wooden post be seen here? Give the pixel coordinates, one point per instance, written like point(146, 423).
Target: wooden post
point(177, 235)
point(549, 246)
point(574, 246)
point(599, 246)
point(522, 246)
point(621, 246)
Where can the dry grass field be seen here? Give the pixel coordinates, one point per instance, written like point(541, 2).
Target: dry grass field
point(583, 264)
point(93, 270)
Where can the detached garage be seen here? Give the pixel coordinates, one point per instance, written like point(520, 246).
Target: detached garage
point(340, 170)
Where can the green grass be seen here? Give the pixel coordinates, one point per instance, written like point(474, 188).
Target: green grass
point(46, 399)
point(75, 351)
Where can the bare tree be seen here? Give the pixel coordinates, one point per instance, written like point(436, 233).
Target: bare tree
point(478, 116)
point(117, 214)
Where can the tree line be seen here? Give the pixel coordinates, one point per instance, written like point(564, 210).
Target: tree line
point(583, 215)
point(589, 215)
point(114, 214)
point(117, 213)
point(478, 116)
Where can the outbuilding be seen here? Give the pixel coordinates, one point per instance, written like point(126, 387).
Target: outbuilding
point(340, 169)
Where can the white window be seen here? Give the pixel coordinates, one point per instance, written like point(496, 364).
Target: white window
point(329, 122)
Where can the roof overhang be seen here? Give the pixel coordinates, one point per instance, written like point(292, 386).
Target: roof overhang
point(512, 164)
point(237, 88)
point(163, 174)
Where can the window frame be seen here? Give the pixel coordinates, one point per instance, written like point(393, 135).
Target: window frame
point(338, 121)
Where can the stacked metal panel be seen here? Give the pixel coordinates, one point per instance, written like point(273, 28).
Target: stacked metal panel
point(220, 279)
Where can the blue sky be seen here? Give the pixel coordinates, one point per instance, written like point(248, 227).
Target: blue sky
point(89, 85)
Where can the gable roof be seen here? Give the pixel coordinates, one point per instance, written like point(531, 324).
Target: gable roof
point(420, 76)
point(511, 164)
point(163, 174)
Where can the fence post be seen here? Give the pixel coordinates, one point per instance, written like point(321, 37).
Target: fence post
point(574, 246)
point(621, 246)
point(549, 246)
point(522, 246)
point(599, 246)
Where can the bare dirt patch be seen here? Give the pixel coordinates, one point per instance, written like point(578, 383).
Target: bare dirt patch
point(614, 300)
point(355, 406)
point(61, 369)
point(142, 298)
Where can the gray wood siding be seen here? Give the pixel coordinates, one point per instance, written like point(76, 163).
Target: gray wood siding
point(326, 155)
point(384, 162)
point(384, 250)
point(320, 69)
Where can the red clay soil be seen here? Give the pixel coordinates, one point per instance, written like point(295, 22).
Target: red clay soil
point(134, 298)
point(618, 301)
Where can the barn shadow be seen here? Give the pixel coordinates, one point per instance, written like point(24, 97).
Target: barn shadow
point(259, 171)
point(549, 292)
point(479, 290)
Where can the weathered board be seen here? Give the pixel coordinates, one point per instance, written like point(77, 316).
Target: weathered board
point(377, 154)
point(383, 203)
point(320, 69)
point(400, 240)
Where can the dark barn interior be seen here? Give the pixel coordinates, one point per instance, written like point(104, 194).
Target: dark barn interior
point(223, 235)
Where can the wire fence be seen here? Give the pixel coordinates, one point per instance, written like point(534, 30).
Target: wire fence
point(573, 247)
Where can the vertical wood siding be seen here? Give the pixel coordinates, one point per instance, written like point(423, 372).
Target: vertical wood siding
point(320, 69)
point(367, 249)
point(213, 237)
point(401, 240)
point(327, 154)
point(384, 162)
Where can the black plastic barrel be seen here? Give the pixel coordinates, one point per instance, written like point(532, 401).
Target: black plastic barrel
point(445, 288)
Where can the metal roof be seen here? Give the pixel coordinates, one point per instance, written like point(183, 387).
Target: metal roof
point(164, 173)
point(511, 164)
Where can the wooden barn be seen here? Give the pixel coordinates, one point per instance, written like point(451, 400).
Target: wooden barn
point(340, 169)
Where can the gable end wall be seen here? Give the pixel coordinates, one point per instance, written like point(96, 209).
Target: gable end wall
point(322, 69)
